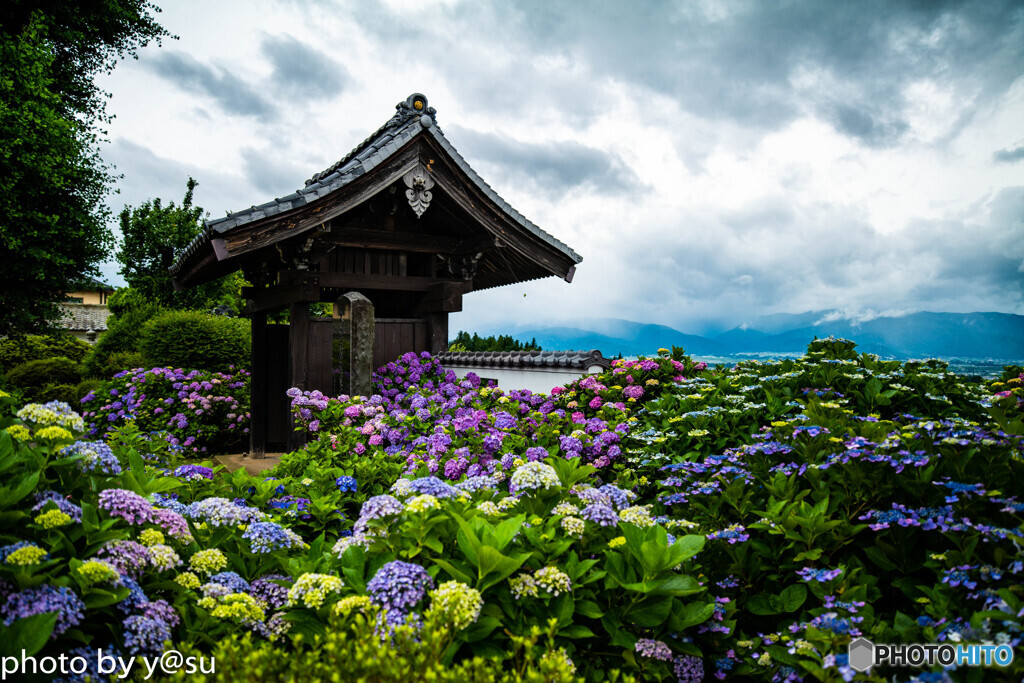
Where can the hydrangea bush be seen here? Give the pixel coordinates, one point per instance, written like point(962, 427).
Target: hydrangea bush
point(659, 521)
point(199, 412)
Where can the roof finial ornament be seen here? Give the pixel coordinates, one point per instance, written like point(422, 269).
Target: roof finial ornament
point(414, 106)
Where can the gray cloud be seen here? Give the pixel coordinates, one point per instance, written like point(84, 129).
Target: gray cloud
point(778, 256)
point(736, 62)
point(1008, 155)
point(147, 175)
point(266, 170)
point(552, 168)
point(234, 95)
point(301, 71)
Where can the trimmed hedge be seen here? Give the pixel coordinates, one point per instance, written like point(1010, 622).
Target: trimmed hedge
point(122, 336)
point(15, 351)
point(196, 341)
point(49, 379)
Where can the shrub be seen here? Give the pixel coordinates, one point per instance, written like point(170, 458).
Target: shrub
point(353, 645)
point(123, 360)
point(126, 299)
point(199, 411)
point(65, 393)
point(122, 335)
point(17, 350)
point(84, 388)
point(37, 379)
point(196, 341)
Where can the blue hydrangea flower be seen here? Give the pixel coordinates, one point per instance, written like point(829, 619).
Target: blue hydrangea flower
point(265, 537)
point(399, 586)
point(231, 580)
point(96, 457)
point(45, 598)
point(145, 635)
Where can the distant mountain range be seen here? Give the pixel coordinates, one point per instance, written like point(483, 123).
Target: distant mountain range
point(915, 335)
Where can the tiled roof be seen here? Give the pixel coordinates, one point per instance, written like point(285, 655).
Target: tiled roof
point(577, 360)
point(84, 317)
point(408, 122)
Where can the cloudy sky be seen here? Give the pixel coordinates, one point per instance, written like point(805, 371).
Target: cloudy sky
point(711, 161)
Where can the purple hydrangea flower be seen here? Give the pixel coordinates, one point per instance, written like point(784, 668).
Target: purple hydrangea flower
point(162, 611)
point(536, 453)
point(619, 497)
point(264, 537)
point(267, 589)
point(689, 669)
point(127, 557)
point(62, 503)
point(600, 514)
point(136, 600)
point(145, 635)
point(399, 586)
point(193, 472)
point(504, 421)
point(173, 523)
point(127, 505)
point(820, 575)
point(96, 457)
point(231, 580)
point(45, 598)
point(654, 649)
point(377, 508)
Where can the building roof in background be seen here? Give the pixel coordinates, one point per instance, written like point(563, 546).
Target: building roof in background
point(84, 317)
point(87, 283)
point(575, 360)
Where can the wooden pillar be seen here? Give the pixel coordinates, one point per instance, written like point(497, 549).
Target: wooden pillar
point(298, 349)
point(362, 323)
point(437, 328)
point(258, 387)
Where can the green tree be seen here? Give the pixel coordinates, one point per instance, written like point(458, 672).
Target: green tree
point(53, 221)
point(154, 236)
point(505, 342)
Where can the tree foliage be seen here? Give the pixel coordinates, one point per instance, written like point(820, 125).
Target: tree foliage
point(52, 180)
point(465, 342)
point(154, 237)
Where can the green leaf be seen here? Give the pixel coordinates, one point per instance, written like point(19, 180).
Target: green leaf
point(24, 487)
point(29, 634)
point(878, 556)
point(483, 627)
point(353, 566)
point(502, 534)
point(103, 598)
point(589, 609)
point(809, 555)
point(763, 604)
point(562, 608)
point(494, 566)
point(467, 539)
point(696, 613)
point(650, 613)
point(686, 547)
point(454, 572)
point(792, 597)
point(576, 631)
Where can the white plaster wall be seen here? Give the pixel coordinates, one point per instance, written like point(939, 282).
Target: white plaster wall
point(537, 380)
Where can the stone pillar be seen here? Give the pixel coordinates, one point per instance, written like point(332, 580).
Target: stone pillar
point(359, 311)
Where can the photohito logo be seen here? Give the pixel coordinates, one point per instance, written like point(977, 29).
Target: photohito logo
point(864, 654)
